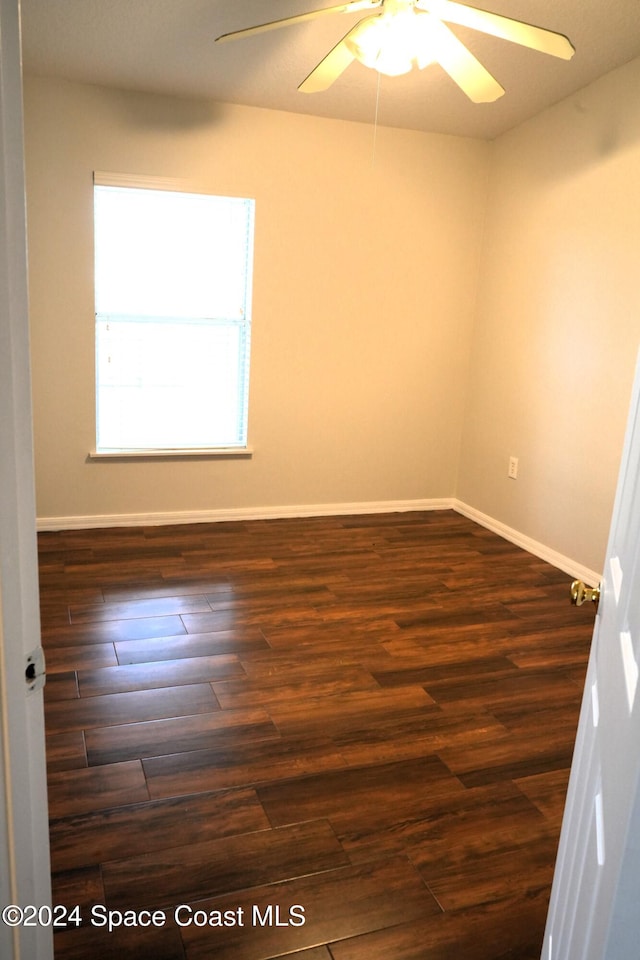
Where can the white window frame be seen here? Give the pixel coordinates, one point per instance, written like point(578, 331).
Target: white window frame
point(239, 446)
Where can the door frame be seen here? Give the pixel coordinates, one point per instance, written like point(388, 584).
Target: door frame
point(25, 870)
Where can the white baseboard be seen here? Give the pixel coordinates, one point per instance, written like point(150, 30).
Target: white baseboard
point(240, 513)
point(558, 560)
point(569, 566)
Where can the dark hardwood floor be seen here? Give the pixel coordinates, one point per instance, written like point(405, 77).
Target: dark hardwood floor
point(365, 723)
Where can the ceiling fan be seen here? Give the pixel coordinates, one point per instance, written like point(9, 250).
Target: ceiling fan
point(407, 33)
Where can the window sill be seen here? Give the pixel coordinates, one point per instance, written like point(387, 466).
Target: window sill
point(198, 452)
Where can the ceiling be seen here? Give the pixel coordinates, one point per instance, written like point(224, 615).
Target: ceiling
point(167, 46)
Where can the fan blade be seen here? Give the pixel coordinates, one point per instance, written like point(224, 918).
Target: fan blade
point(331, 67)
point(352, 7)
point(461, 65)
point(536, 38)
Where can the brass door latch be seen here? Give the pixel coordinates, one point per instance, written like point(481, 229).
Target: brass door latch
point(581, 593)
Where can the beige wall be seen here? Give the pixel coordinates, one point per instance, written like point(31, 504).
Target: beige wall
point(558, 321)
point(365, 279)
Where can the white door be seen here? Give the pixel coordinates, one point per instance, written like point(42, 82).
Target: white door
point(595, 901)
point(24, 838)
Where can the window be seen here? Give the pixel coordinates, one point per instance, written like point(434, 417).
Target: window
point(173, 327)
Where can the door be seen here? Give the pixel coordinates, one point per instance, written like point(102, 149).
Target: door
point(24, 838)
point(595, 908)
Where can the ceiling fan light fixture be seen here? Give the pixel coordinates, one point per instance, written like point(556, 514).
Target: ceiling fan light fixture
point(392, 43)
point(408, 33)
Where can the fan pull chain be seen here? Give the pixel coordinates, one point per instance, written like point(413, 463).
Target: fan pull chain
point(375, 123)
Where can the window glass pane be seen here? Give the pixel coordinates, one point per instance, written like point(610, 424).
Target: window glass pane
point(173, 294)
point(170, 385)
point(169, 254)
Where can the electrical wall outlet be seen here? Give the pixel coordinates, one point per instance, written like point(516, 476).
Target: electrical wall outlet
point(513, 468)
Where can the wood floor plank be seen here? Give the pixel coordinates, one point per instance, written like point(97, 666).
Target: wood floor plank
point(236, 641)
point(375, 586)
point(547, 791)
point(419, 736)
point(568, 656)
point(299, 684)
point(66, 751)
point(470, 669)
point(509, 756)
point(96, 788)
point(466, 614)
point(109, 631)
point(515, 688)
point(337, 903)
point(225, 729)
point(314, 953)
point(263, 599)
point(163, 587)
point(82, 888)
point(116, 708)
point(86, 656)
point(244, 764)
point(123, 943)
point(331, 637)
point(492, 878)
point(367, 608)
point(354, 710)
point(365, 796)
point(504, 930)
point(134, 829)
point(150, 676)
point(62, 686)
point(534, 612)
point(136, 609)
point(451, 830)
point(209, 869)
point(230, 617)
point(451, 642)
